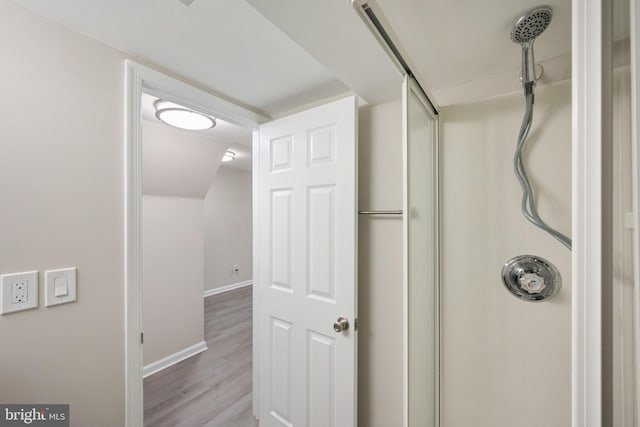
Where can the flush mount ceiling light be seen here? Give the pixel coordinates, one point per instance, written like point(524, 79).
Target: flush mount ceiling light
point(182, 117)
point(228, 156)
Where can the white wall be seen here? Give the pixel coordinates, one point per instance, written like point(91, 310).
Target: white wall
point(380, 267)
point(61, 192)
point(172, 275)
point(504, 362)
point(228, 223)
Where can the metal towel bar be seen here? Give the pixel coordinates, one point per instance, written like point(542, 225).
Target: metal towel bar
point(398, 212)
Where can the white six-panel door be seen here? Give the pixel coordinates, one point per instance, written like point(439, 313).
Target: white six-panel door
point(306, 279)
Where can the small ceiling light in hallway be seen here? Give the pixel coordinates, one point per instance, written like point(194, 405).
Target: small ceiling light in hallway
point(228, 156)
point(182, 117)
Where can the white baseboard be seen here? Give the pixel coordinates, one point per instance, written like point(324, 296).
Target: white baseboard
point(227, 288)
point(174, 358)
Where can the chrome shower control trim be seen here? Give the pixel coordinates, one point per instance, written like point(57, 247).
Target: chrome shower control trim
point(531, 278)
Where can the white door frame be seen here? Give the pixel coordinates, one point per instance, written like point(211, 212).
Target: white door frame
point(139, 78)
point(591, 257)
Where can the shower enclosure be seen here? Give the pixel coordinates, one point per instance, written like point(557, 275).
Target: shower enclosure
point(473, 354)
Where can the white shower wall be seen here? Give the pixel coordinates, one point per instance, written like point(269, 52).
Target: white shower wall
point(504, 362)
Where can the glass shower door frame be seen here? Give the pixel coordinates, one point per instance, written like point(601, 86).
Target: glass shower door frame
point(410, 89)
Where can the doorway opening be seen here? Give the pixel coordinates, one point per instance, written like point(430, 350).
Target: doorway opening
point(196, 269)
point(304, 223)
point(185, 341)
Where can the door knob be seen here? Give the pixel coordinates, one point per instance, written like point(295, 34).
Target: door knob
point(341, 325)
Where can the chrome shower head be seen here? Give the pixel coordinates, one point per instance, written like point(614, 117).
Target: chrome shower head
point(531, 25)
point(524, 32)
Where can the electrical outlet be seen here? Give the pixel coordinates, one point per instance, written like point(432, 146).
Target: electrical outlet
point(19, 291)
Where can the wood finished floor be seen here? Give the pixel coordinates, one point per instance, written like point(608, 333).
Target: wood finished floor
point(212, 389)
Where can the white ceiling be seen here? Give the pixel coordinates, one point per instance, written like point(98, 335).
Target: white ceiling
point(332, 31)
point(460, 51)
point(267, 54)
point(224, 45)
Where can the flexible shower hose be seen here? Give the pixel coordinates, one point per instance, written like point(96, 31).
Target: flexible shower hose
point(529, 208)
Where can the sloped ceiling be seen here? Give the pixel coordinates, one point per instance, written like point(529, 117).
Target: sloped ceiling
point(178, 163)
point(224, 45)
point(333, 33)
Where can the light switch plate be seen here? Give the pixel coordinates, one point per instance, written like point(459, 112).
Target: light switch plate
point(19, 291)
point(59, 279)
